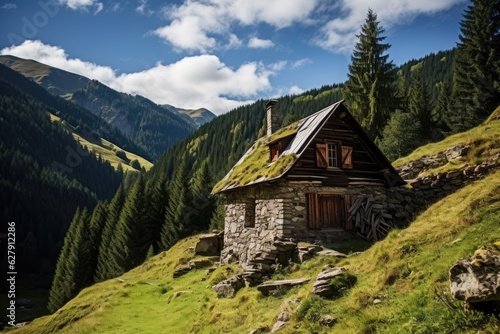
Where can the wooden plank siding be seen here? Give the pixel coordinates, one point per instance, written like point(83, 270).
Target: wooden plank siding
point(362, 166)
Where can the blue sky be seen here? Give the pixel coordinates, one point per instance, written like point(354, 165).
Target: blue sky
point(218, 54)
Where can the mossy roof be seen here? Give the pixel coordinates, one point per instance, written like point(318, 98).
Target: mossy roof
point(254, 166)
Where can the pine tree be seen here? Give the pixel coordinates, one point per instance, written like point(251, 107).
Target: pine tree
point(420, 104)
point(178, 212)
point(67, 283)
point(203, 203)
point(369, 90)
point(105, 268)
point(129, 244)
point(157, 206)
point(476, 76)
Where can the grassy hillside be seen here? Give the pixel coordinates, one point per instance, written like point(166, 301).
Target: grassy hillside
point(484, 141)
point(408, 272)
point(104, 148)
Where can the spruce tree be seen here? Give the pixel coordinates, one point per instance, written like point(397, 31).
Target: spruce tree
point(105, 268)
point(129, 244)
point(369, 91)
point(157, 206)
point(178, 211)
point(476, 76)
point(420, 104)
point(203, 203)
point(67, 283)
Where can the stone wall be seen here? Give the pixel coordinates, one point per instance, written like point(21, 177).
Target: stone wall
point(280, 214)
point(426, 189)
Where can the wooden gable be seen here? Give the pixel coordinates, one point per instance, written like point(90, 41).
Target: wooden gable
point(355, 160)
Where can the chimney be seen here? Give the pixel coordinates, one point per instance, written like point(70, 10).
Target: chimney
point(272, 116)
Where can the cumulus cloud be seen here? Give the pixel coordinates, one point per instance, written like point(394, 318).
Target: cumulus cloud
point(257, 43)
point(192, 82)
point(195, 25)
point(339, 33)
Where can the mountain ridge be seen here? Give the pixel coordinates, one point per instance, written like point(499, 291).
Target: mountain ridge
point(153, 127)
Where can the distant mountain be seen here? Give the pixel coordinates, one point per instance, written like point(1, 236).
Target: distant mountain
point(56, 81)
point(200, 116)
point(152, 127)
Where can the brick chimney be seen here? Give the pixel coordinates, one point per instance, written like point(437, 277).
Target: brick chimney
point(272, 116)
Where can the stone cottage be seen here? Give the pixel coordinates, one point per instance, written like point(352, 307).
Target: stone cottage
point(308, 181)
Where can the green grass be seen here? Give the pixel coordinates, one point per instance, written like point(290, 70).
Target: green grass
point(408, 272)
point(484, 141)
point(256, 164)
point(106, 149)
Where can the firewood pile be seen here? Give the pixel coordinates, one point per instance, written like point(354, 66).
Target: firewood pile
point(370, 224)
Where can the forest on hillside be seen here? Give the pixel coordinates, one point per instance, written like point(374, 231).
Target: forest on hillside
point(45, 175)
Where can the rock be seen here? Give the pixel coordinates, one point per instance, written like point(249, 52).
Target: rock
point(209, 244)
point(377, 301)
point(322, 286)
point(277, 326)
point(183, 271)
point(327, 320)
point(266, 287)
point(456, 152)
point(331, 252)
point(228, 288)
point(477, 279)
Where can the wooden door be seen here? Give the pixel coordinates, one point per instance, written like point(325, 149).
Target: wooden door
point(332, 213)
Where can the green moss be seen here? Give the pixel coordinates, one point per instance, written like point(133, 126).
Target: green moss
point(256, 164)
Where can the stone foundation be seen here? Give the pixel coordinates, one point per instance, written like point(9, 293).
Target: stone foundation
point(279, 213)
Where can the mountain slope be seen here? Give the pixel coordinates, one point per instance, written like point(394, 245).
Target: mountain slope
point(44, 176)
point(199, 116)
point(407, 273)
point(153, 127)
point(56, 81)
point(77, 116)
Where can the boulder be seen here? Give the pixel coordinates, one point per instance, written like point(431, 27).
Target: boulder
point(323, 287)
point(477, 279)
point(266, 287)
point(209, 244)
point(229, 287)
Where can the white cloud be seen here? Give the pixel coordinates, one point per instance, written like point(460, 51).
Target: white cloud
point(100, 6)
point(295, 90)
point(339, 34)
point(195, 24)
point(9, 6)
point(257, 43)
point(143, 8)
point(192, 82)
point(301, 62)
point(82, 4)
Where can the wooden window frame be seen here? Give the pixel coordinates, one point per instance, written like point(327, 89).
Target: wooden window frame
point(341, 160)
point(274, 151)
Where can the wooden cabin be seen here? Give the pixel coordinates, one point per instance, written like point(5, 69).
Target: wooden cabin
point(308, 181)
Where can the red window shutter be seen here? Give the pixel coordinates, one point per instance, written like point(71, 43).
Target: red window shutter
point(321, 155)
point(347, 157)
